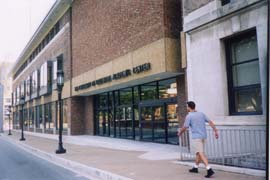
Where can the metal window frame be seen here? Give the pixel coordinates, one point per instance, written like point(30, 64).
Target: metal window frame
point(231, 88)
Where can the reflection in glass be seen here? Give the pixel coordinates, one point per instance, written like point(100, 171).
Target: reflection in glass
point(159, 124)
point(149, 91)
point(248, 100)
point(146, 123)
point(172, 123)
point(49, 125)
point(167, 88)
point(126, 96)
point(245, 49)
point(246, 74)
point(125, 113)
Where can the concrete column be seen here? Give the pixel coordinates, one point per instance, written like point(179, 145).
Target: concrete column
point(262, 51)
point(1, 107)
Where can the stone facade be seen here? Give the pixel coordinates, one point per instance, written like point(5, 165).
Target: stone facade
point(192, 5)
point(208, 27)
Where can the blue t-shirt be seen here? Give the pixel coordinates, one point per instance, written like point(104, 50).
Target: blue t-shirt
point(196, 121)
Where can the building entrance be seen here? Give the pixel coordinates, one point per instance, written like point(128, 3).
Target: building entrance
point(147, 112)
point(158, 121)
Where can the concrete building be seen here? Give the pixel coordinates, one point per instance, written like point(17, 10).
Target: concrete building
point(6, 81)
point(238, 91)
point(227, 77)
point(123, 77)
point(1, 107)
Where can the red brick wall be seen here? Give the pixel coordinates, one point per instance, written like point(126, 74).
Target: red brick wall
point(89, 115)
point(103, 30)
point(173, 18)
point(76, 121)
point(82, 116)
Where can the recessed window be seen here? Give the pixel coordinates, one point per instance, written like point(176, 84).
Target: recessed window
point(28, 86)
point(224, 2)
point(43, 76)
point(34, 84)
point(244, 74)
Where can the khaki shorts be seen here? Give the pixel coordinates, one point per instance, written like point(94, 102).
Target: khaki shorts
point(198, 145)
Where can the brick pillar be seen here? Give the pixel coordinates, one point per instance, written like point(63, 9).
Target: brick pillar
point(76, 119)
point(182, 98)
point(89, 115)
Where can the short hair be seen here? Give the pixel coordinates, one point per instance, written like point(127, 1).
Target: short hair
point(191, 104)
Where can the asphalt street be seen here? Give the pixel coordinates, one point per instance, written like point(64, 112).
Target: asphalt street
point(17, 164)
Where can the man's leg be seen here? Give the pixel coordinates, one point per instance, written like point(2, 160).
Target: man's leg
point(210, 172)
point(196, 165)
point(198, 159)
point(203, 158)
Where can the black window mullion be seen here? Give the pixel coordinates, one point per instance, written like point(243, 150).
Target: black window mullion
point(245, 62)
point(253, 86)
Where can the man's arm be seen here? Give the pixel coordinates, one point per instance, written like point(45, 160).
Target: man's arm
point(183, 129)
point(214, 128)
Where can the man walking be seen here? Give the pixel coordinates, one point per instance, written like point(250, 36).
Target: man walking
point(196, 121)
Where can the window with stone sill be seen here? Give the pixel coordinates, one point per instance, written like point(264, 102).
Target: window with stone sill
point(224, 2)
point(34, 84)
point(43, 75)
point(28, 86)
point(22, 88)
point(244, 74)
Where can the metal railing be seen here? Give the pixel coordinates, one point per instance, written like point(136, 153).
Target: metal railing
point(239, 147)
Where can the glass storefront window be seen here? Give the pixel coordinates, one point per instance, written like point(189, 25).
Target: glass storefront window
point(39, 117)
point(149, 91)
point(136, 94)
point(139, 112)
point(172, 123)
point(167, 88)
point(49, 125)
point(31, 118)
point(125, 96)
point(65, 114)
point(102, 100)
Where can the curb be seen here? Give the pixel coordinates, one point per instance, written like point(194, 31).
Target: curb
point(251, 172)
point(86, 171)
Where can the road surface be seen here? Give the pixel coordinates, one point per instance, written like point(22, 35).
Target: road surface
point(17, 164)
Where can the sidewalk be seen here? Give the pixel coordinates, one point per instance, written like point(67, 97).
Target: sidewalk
point(131, 159)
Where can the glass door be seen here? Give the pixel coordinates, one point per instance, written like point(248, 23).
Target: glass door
point(159, 122)
point(146, 124)
point(173, 123)
point(103, 125)
point(123, 122)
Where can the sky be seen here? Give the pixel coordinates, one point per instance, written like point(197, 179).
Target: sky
point(19, 20)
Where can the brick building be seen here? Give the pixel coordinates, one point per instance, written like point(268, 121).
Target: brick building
point(122, 65)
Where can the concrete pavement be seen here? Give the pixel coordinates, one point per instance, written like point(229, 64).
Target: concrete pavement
point(126, 163)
